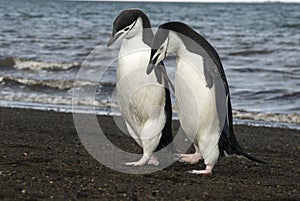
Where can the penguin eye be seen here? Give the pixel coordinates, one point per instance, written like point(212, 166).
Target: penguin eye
point(161, 48)
point(126, 29)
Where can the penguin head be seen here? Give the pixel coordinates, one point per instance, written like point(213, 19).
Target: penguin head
point(128, 24)
point(163, 44)
point(168, 39)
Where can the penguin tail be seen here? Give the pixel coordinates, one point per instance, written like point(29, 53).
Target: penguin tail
point(228, 144)
point(252, 158)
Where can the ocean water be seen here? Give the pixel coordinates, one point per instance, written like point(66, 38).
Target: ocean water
point(44, 44)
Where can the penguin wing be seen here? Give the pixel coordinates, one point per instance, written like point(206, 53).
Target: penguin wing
point(213, 69)
point(219, 67)
point(161, 74)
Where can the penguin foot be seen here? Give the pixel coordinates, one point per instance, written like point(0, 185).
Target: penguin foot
point(190, 158)
point(137, 163)
point(201, 172)
point(206, 172)
point(141, 162)
point(153, 160)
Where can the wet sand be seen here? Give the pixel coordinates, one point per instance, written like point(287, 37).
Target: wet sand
point(42, 158)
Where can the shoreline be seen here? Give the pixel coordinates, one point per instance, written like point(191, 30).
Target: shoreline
point(43, 158)
point(240, 117)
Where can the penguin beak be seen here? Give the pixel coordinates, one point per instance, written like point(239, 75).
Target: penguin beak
point(153, 61)
point(113, 39)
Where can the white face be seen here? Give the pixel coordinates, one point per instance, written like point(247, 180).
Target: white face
point(135, 28)
point(123, 32)
point(126, 29)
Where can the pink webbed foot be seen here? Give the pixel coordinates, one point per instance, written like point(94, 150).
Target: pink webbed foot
point(141, 162)
point(153, 160)
point(206, 172)
point(190, 158)
point(137, 163)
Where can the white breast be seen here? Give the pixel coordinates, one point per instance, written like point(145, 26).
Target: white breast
point(141, 98)
point(197, 105)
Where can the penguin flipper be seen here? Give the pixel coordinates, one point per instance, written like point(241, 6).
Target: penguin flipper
point(167, 136)
point(161, 74)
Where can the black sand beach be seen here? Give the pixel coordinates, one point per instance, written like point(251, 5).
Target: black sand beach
point(42, 158)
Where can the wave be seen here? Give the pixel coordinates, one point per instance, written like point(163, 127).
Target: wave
point(105, 103)
point(250, 52)
point(269, 95)
point(46, 99)
point(287, 71)
point(293, 118)
point(21, 64)
point(27, 15)
point(287, 96)
point(82, 105)
point(7, 62)
point(59, 84)
point(291, 26)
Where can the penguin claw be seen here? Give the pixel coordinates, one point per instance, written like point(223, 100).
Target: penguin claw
point(137, 163)
point(175, 159)
point(182, 161)
point(190, 158)
point(201, 172)
point(189, 171)
point(153, 160)
point(177, 155)
point(130, 164)
point(178, 158)
point(206, 172)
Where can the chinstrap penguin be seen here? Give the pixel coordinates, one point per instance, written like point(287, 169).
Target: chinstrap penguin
point(143, 99)
point(201, 91)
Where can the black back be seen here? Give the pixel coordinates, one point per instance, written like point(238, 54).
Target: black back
point(195, 43)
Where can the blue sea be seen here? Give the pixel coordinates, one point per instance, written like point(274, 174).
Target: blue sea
point(43, 45)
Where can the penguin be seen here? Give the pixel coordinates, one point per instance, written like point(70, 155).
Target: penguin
point(202, 92)
point(143, 99)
